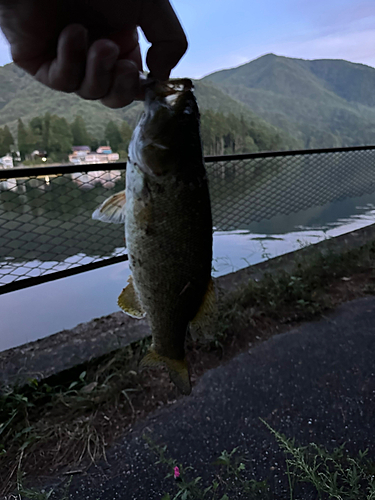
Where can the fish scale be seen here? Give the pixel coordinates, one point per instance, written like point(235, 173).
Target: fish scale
point(168, 225)
point(166, 254)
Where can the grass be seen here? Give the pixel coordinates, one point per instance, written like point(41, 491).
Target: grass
point(229, 478)
point(299, 295)
point(56, 422)
point(67, 421)
point(34, 494)
point(334, 475)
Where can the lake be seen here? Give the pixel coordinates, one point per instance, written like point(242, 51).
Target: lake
point(46, 225)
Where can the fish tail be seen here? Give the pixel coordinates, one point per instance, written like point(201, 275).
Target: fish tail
point(177, 368)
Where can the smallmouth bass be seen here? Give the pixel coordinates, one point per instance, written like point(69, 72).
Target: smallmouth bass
point(168, 225)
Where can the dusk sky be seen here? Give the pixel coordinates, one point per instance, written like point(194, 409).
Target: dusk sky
point(223, 34)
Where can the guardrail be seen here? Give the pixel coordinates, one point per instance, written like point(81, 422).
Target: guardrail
point(46, 230)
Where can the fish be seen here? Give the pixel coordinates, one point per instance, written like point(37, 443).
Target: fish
point(168, 226)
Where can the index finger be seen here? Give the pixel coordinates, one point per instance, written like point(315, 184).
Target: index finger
point(162, 28)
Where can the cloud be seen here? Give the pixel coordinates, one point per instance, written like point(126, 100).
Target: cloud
point(5, 56)
point(356, 46)
point(354, 43)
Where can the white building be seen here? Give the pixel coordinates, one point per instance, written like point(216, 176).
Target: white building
point(6, 162)
point(83, 156)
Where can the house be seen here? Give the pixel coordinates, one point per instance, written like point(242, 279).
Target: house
point(83, 156)
point(6, 161)
point(104, 150)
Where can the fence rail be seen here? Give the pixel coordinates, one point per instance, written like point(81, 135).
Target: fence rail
point(46, 230)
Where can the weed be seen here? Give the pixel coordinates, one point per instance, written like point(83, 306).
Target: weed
point(56, 419)
point(34, 494)
point(229, 479)
point(335, 475)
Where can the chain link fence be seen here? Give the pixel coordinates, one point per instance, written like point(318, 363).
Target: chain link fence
point(46, 229)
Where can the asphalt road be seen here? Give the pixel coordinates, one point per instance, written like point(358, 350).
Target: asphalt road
point(314, 383)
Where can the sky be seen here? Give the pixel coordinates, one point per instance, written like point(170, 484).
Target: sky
point(224, 34)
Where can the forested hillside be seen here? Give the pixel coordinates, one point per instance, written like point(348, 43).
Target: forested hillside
point(26, 100)
point(270, 103)
point(323, 103)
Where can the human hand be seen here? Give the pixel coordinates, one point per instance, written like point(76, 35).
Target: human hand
point(91, 47)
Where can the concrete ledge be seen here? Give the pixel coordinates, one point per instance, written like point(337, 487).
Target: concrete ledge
point(87, 341)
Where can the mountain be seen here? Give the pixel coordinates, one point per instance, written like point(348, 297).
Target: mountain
point(321, 103)
point(23, 97)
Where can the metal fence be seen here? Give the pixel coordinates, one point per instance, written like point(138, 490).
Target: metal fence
point(46, 230)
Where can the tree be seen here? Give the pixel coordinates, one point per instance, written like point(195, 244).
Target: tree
point(7, 140)
point(126, 134)
point(94, 143)
point(36, 127)
point(80, 136)
point(25, 145)
point(60, 136)
point(46, 131)
point(112, 135)
point(3, 152)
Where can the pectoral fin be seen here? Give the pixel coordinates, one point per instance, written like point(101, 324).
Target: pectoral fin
point(178, 369)
point(129, 302)
point(207, 313)
point(112, 209)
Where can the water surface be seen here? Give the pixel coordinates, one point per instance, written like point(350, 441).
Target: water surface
point(52, 229)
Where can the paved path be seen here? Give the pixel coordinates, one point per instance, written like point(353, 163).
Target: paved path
point(314, 383)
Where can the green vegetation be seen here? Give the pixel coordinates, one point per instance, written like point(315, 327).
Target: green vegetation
point(23, 98)
point(334, 475)
point(221, 134)
point(44, 424)
point(298, 295)
point(80, 136)
point(54, 135)
point(323, 103)
point(288, 104)
point(34, 494)
point(118, 138)
point(231, 135)
point(230, 478)
point(6, 141)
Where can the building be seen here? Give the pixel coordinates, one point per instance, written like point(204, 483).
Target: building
point(83, 156)
point(6, 161)
point(104, 150)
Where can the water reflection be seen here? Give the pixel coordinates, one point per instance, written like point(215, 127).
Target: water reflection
point(46, 225)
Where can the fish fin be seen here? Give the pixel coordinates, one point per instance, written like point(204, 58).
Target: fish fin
point(129, 302)
point(207, 313)
point(112, 209)
point(178, 369)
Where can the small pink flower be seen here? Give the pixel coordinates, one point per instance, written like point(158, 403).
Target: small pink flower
point(176, 472)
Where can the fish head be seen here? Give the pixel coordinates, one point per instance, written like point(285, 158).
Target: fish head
point(167, 138)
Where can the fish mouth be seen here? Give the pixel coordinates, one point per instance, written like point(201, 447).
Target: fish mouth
point(167, 128)
point(169, 90)
point(175, 95)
